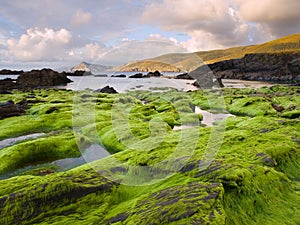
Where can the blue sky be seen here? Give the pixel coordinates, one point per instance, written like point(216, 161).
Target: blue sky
point(39, 33)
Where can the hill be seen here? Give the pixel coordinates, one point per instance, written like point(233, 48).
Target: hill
point(190, 61)
point(88, 67)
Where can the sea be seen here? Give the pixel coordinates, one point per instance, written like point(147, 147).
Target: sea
point(163, 83)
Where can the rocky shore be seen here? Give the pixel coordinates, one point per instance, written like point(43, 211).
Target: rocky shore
point(275, 67)
point(255, 166)
point(34, 79)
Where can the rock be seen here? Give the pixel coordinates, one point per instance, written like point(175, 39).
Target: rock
point(10, 109)
point(282, 67)
point(277, 107)
point(51, 110)
point(219, 83)
point(11, 72)
point(107, 89)
point(137, 75)
point(203, 76)
point(81, 73)
point(119, 76)
point(154, 74)
point(41, 78)
point(184, 76)
point(6, 85)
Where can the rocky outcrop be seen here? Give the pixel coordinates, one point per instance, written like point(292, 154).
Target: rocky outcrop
point(41, 78)
point(203, 76)
point(156, 73)
point(148, 75)
point(6, 85)
point(107, 89)
point(10, 72)
point(184, 76)
point(10, 109)
point(282, 67)
point(119, 76)
point(80, 73)
point(138, 75)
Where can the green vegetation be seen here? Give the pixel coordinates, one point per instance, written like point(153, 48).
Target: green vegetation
point(156, 175)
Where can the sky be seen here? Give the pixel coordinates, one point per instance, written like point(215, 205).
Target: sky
point(62, 33)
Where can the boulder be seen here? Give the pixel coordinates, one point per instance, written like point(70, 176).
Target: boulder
point(6, 85)
point(119, 76)
point(41, 78)
point(137, 75)
point(154, 74)
point(10, 109)
point(107, 89)
point(81, 73)
point(184, 76)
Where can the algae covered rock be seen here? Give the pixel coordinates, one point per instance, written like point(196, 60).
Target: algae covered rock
point(152, 173)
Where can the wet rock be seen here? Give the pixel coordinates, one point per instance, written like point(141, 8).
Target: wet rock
point(10, 109)
point(6, 85)
point(11, 72)
point(165, 206)
point(51, 110)
point(184, 76)
point(119, 76)
point(154, 74)
point(137, 75)
point(203, 76)
point(282, 67)
point(267, 161)
point(41, 78)
point(107, 89)
point(80, 73)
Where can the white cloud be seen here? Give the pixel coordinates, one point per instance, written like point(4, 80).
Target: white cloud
point(40, 44)
point(81, 18)
point(281, 17)
point(225, 23)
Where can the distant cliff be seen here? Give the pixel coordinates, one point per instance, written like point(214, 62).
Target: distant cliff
point(148, 66)
point(283, 67)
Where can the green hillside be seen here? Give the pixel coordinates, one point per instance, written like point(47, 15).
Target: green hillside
point(190, 61)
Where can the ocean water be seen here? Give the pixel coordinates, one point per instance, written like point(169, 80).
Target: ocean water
point(154, 83)
point(129, 84)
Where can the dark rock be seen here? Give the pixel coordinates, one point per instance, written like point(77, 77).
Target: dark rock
point(203, 76)
point(11, 72)
point(266, 160)
point(219, 82)
point(118, 218)
point(119, 76)
point(154, 74)
point(101, 75)
point(51, 110)
point(41, 78)
point(277, 107)
point(277, 67)
point(10, 109)
point(107, 89)
point(6, 85)
point(137, 75)
point(184, 76)
point(81, 73)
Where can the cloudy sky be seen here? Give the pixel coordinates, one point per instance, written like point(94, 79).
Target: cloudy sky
point(54, 33)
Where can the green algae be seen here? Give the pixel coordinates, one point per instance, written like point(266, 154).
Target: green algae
point(252, 180)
